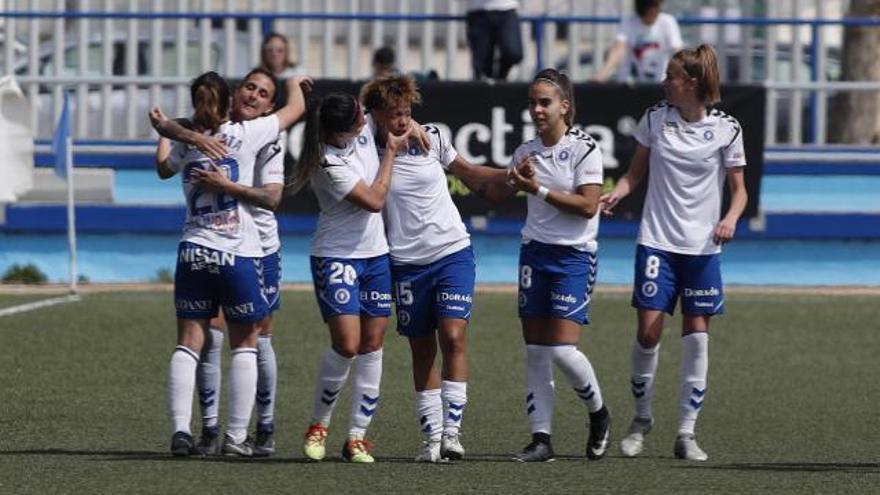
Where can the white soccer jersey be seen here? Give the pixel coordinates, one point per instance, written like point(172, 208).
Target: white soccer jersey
point(344, 229)
point(648, 48)
point(423, 224)
point(574, 161)
point(688, 165)
point(217, 220)
point(269, 170)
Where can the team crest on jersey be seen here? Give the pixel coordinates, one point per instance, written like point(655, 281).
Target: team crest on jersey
point(709, 135)
point(404, 317)
point(563, 155)
point(523, 300)
point(362, 140)
point(649, 289)
point(342, 296)
point(413, 150)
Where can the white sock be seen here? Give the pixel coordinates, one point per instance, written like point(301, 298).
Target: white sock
point(644, 368)
point(429, 407)
point(208, 378)
point(364, 392)
point(579, 372)
point(242, 389)
point(540, 388)
point(267, 372)
point(181, 383)
point(454, 395)
point(694, 369)
point(331, 377)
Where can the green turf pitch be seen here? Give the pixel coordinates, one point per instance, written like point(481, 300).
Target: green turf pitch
point(792, 405)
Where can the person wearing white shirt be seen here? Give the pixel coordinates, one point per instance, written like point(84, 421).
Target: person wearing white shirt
point(643, 45)
point(349, 262)
point(220, 253)
point(561, 170)
point(432, 261)
point(254, 98)
point(690, 149)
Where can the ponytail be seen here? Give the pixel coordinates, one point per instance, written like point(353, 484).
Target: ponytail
point(702, 65)
point(210, 99)
point(332, 114)
point(564, 88)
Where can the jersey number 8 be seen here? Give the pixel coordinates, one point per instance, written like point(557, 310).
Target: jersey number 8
point(652, 267)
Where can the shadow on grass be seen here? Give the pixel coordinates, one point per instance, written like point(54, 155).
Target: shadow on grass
point(147, 455)
point(795, 467)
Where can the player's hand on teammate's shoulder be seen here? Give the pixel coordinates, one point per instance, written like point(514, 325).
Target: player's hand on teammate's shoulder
point(212, 146)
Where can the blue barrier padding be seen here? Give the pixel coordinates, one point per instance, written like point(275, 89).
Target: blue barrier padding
point(104, 219)
point(117, 161)
point(836, 168)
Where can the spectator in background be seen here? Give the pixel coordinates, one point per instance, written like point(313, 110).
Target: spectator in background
point(275, 56)
point(384, 62)
point(493, 24)
point(643, 45)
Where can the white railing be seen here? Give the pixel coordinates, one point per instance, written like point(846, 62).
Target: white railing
point(120, 56)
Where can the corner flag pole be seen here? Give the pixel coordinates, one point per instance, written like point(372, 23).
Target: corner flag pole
point(62, 148)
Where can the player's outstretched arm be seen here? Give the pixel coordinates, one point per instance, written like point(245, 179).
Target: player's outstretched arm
point(481, 180)
point(631, 180)
point(212, 146)
point(293, 110)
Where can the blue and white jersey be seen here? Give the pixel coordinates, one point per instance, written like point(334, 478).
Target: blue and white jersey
point(218, 220)
point(423, 224)
point(572, 162)
point(688, 165)
point(269, 170)
point(344, 229)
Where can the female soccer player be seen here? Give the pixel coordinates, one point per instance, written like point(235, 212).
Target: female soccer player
point(219, 254)
point(349, 261)
point(432, 260)
point(689, 148)
point(561, 170)
point(254, 98)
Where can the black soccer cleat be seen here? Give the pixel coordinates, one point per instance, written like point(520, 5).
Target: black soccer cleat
point(540, 450)
point(182, 444)
point(209, 443)
point(600, 434)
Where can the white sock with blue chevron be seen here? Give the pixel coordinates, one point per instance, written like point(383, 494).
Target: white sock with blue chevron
point(242, 391)
point(365, 382)
point(694, 370)
point(579, 372)
point(208, 378)
point(540, 388)
point(429, 407)
point(454, 397)
point(267, 372)
point(331, 377)
point(181, 382)
point(644, 368)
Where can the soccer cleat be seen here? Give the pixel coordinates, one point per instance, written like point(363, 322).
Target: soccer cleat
point(634, 441)
point(243, 449)
point(430, 452)
point(315, 437)
point(265, 444)
point(539, 450)
point(182, 444)
point(686, 448)
point(450, 448)
point(209, 443)
point(600, 434)
point(357, 450)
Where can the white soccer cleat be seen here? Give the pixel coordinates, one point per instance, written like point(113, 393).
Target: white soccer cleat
point(686, 448)
point(430, 451)
point(634, 441)
point(450, 448)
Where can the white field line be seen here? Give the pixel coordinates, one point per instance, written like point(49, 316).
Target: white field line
point(22, 308)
